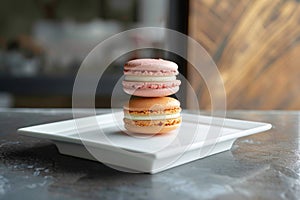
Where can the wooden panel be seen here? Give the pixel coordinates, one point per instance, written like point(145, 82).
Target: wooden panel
point(255, 45)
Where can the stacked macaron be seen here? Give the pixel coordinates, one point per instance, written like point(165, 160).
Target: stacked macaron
point(150, 78)
point(152, 115)
point(149, 111)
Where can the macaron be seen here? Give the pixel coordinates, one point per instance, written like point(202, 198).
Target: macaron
point(150, 78)
point(152, 115)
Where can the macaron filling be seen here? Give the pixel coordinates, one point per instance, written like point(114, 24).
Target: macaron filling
point(147, 123)
point(151, 117)
point(167, 111)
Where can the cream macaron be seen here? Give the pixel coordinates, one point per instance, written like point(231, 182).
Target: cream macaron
point(150, 77)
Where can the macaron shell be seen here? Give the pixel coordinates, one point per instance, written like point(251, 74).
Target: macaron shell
point(150, 64)
point(150, 78)
point(138, 72)
point(152, 92)
point(144, 104)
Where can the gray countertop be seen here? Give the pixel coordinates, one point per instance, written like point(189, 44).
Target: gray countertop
point(261, 166)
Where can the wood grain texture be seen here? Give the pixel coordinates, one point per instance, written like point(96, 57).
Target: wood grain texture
point(256, 46)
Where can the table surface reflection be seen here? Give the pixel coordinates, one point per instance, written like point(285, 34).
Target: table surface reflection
point(260, 166)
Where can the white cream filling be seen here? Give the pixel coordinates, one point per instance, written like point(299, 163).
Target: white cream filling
point(149, 78)
point(151, 117)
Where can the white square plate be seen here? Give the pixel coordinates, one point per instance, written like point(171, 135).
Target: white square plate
point(107, 141)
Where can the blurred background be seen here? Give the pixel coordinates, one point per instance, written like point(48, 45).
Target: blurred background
point(43, 43)
point(255, 45)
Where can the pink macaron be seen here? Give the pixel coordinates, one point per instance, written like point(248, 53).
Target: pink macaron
point(151, 78)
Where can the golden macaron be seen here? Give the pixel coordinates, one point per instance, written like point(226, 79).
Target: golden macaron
point(152, 115)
